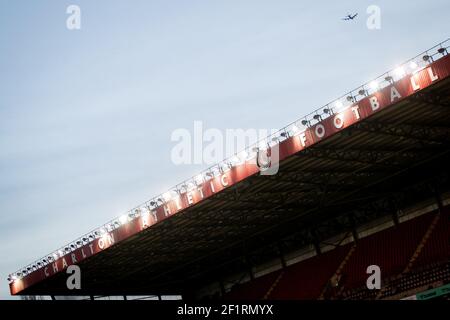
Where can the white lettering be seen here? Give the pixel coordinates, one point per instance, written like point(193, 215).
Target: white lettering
point(64, 263)
point(415, 86)
point(302, 138)
point(395, 94)
point(320, 131)
point(433, 76)
point(181, 152)
point(178, 203)
point(338, 121)
point(374, 103)
point(166, 210)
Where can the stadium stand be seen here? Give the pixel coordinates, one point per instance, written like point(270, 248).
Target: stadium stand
point(255, 290)
point(438, 246)
point(391, 249)
point(361, 183)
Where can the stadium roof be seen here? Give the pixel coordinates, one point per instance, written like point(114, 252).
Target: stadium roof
point(382, 141)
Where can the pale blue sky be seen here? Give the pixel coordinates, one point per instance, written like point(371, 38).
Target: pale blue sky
point(86, 116)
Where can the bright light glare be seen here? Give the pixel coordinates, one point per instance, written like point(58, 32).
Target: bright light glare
point(263, 145)
point(399, 72)
point(374, 85)
point(199, 179)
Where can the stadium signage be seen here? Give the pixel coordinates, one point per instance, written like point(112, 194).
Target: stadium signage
point(353, 114)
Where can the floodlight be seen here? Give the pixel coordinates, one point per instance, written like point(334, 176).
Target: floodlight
point(399, 72)
point(123, 219)
point(243, 155)
point(190, 186)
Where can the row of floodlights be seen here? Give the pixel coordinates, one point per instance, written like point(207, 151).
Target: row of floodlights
point(375, 85)
point(338, 106)
point(86, 239)
point(124, 219)
point(398, 73)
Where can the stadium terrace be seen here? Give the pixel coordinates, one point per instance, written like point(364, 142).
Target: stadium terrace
point(342, 114)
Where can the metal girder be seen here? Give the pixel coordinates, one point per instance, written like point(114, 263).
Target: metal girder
point(431, 98)
point(235, 199)
point(360, 157)
point(424, 134)
point(377, 158)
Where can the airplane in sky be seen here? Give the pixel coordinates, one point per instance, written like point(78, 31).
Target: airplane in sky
point(350, 17)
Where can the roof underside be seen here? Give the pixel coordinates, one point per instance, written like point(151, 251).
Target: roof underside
point(390, 160)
